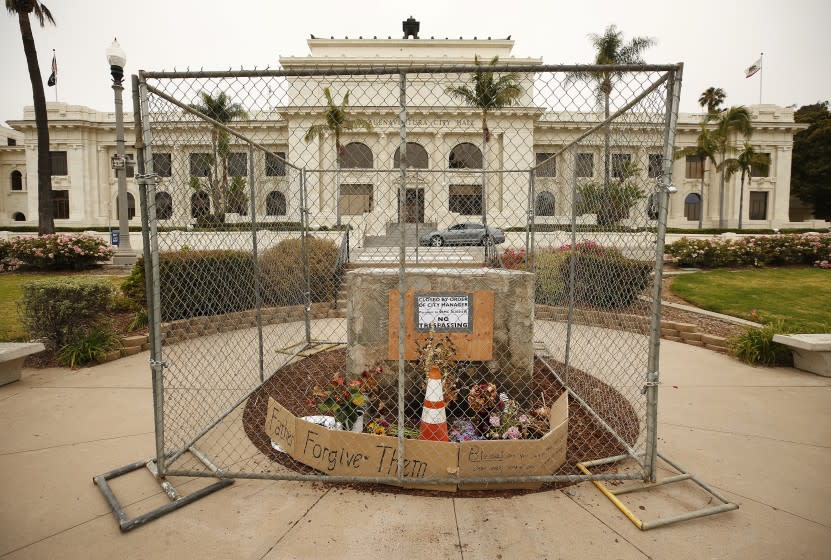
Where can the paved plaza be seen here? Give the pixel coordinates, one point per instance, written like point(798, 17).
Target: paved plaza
point(760, 436)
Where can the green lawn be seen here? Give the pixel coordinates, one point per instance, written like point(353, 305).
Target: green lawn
point(11, 288)
point(799, 296)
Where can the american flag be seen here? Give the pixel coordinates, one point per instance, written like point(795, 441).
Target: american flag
point(53, 79)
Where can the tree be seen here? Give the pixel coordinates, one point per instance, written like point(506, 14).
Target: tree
point(22, 9)
point(712, 98)
point(610, 48)
point(811, 164)
point(743, 163)
point(336, 120)
point(487, 93)
point(221, 109)
point(613, 203)
point(705, 149)
point(735, 120)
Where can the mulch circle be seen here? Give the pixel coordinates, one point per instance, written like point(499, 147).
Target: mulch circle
point(292, 387)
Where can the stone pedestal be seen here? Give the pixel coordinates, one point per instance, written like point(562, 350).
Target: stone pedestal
point(368, 317)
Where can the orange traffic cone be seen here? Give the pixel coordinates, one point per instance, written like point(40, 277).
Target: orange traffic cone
point(433, 417)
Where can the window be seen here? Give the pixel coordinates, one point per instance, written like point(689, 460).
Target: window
point(758, 205)
point(466, 199)
point(19, 217)
point(164, 205)
point(275, 166)
point(548, 167)
point(695, 168)
point(12, 142)
point(131, 207)
point(200, 164)
point(692, 207)
point(761, 169)
point(656, 165)
point(60, 205)
point(545, 204)
point(162, 165)
point(129, 166)
point(238, 164)
point(58, 163)
point(200, 205)
point(356, 156)
point(620, 165)
point(585, 165)
point(355, 199)
point(275, 203)
point(465, 156)
point(416, 156)
point(17, 180)
point(652, 207)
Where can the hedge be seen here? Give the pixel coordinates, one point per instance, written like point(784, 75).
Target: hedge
point(281, 271)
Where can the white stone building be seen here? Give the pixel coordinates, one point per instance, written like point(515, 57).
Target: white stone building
point(83, 143)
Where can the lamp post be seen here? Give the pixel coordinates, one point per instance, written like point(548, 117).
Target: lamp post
point(117, 59)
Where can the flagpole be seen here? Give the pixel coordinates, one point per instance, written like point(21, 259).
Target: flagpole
point(761, 73)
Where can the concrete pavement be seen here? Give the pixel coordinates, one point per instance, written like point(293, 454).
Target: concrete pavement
point(760, 436)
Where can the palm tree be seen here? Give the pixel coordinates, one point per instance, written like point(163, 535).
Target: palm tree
point(743, 163)
point(712, 98)
point(220, 108)
point(22, 8)
point(610, 48)
point(487, 93)
point(336, 120)
point(735, 120)
point(705, 149)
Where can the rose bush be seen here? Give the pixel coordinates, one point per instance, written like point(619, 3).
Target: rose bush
point(60, 251)
point(775, 250)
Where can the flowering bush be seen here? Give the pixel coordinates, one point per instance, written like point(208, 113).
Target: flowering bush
point(8, 263)
point(60, 251)
point(805, 249)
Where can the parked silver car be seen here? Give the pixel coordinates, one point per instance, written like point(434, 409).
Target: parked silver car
point(468, 233)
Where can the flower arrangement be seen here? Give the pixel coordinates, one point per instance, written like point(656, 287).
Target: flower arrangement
point(441, 352)
point(507, 421)
point(381, 427)
point(482, 397)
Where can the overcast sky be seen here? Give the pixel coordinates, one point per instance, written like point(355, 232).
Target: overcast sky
point(716, 41)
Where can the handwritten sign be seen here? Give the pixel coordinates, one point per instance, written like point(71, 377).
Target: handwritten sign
point(444, 312)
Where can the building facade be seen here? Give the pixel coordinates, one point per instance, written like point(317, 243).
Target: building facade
point(444, 150)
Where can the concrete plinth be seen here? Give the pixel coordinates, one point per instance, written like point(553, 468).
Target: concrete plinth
point(124, 257)
point(368, 317)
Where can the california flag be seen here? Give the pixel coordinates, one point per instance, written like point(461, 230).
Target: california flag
point(753, 68)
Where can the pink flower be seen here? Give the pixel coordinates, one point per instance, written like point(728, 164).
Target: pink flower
point(512, 433)
point(495, 421)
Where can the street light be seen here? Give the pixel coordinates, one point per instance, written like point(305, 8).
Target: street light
point(117, 59)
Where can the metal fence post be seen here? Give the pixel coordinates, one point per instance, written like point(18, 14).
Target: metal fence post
point(151, 269)
point(402, 255)
point(652, 375)
point(258, 301)
point(304, 236)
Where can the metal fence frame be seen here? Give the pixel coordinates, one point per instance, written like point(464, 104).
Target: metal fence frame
point(148, 182)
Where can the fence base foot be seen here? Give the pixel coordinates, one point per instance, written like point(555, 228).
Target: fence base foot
point(176, 501)
point(725, 505)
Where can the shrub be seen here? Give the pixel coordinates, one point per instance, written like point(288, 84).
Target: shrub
point(549, 288)
point(755, 346)
point(751, 251)
point(133, 287)
point(59, 310)
point(90, 346)
point(60, 251)
point(197, 283)
point(608, 281)
point(8, 263)
point(281, 271)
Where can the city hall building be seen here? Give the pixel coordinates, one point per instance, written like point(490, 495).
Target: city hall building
point(440, 141)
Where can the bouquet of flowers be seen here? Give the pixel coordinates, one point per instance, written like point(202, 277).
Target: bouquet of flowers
point(345, 401)
point(508, 422)
point(482, 397)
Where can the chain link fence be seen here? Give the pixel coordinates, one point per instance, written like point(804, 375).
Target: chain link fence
point(301, 224)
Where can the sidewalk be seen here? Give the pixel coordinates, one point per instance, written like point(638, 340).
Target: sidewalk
point(760, 436)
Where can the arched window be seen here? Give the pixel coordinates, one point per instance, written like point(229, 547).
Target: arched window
point(465, 156)
point(545, 204)
point(131, 206)
point(356, 156)
point(200, 204)
point(164, 205)
point(692, 207)
point(652, 207)
point(275, 204)
point(17, 180)
point(19, 217)
point(416, 156)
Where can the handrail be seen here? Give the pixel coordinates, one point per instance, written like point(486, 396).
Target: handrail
point(340, 265)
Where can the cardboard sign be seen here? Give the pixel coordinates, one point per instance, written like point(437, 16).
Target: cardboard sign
point(361, 455)
point(475, 344)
